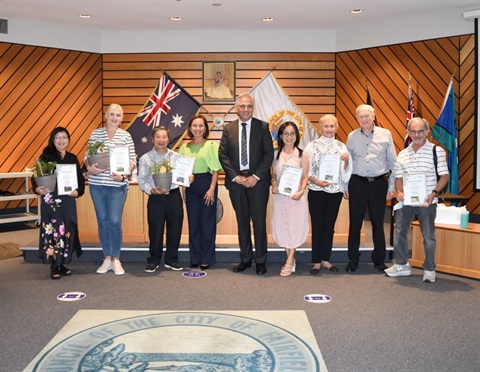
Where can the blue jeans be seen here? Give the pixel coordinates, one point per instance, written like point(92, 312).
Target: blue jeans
point(426, 218)
point(109, 202)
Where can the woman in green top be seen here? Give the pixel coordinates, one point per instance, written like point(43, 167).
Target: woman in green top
point(201, 196)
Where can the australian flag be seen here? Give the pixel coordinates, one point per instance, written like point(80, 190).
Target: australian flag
point(170, 106)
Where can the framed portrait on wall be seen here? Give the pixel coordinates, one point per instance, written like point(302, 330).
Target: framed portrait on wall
point(218, 82)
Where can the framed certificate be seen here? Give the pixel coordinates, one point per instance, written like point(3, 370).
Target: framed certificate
point(329, 169)
point(414, 189)
point(182, 169)
point(290, 180)
point(67, 180)
point(119, 159)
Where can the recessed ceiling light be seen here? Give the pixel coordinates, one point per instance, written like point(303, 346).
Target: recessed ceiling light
point(85, 15)
point(267, 19)
point(356, 11)
point(216, 4)
point(176, 18)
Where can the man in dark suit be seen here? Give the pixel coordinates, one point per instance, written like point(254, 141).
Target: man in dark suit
point(246, 153)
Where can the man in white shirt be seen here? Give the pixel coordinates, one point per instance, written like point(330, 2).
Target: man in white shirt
point(418, 158)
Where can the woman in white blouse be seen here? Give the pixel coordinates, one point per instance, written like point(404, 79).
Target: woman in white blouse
point(329, 170)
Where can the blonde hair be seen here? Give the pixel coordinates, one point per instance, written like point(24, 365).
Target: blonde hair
point(113, 106)
point(327, 117)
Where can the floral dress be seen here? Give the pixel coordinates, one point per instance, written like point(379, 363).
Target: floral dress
point(58, 224)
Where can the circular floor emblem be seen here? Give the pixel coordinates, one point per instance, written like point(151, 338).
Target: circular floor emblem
point(194, 274)
point(71, 296)
point(317, 298)
point(181, 341)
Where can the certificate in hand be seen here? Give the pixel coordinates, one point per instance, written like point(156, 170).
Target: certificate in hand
point(67, 180)
point(119, 159)
point(415, 189)
point(329, 169)
point(182, 169)
point(290, 180)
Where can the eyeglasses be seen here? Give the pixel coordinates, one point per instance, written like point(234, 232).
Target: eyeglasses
point(59, 138)
point(245, 107)
point(415, 132)
point(289, 134)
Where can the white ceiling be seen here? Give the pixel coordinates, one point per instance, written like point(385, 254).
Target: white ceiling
point(143, 15)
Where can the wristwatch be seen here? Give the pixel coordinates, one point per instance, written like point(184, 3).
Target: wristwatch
point(436, 192)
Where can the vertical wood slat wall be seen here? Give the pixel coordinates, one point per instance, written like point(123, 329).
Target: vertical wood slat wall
point(45, 87)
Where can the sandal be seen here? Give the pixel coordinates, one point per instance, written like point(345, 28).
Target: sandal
point(54, 273)
point(65, 271)
point(288, 269)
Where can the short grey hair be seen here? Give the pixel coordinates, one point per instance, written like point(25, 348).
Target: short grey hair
point(425, 123)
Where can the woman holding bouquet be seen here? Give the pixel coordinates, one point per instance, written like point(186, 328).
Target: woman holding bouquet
point(58, 224)
point(109, 189)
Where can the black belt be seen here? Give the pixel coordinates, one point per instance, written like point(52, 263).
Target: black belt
point(245, 172)
point(371, 179)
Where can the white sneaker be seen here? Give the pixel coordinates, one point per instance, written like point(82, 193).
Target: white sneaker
point(429, 276)
point(117, 267)
point(398, 270)
point(105, 267)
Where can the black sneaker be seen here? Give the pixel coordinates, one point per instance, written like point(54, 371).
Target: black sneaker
point(150, 268)
point(174, 266)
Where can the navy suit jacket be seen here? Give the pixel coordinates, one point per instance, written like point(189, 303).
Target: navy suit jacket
point(260, 150)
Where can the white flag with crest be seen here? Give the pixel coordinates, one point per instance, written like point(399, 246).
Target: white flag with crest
point(274, 106)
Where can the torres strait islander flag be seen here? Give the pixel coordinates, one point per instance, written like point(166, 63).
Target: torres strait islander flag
point(169, 105)
point(274, 106)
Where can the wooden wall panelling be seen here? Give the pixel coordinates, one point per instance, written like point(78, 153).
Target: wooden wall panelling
point(34, 81)
point(430, 64)
point(43, 88)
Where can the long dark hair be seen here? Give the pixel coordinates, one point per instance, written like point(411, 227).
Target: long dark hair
point(50, 152)
point(281, 144)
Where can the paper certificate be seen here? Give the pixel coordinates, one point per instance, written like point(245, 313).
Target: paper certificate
point(182, 169)
point(414, 189)
point(329, 169)
point(290, 180)
point(119, 159)
point(67, 180)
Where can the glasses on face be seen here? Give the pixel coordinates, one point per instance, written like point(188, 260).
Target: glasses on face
point(245, 107)
point(289, 134)
point(415, 132)
point(59, 138)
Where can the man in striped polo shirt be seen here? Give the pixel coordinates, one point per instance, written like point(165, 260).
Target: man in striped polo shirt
point(418, 158)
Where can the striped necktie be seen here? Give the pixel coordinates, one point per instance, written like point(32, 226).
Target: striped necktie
point(244, 144)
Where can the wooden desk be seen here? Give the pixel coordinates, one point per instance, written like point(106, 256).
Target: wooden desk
point(135, 225)
point(458, 250)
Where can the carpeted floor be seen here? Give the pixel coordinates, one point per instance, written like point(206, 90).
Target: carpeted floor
point(220, 341)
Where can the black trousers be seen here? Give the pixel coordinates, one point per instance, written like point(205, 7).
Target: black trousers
point(250, 204)
point(363, 195)
point(164, 210)
point(323, 208)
